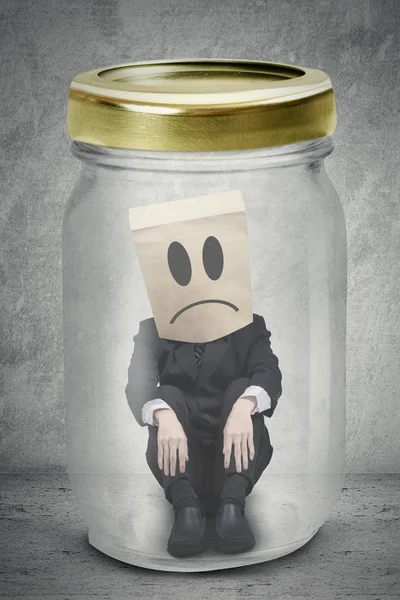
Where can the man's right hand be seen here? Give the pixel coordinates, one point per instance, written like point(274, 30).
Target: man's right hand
point(171, 441)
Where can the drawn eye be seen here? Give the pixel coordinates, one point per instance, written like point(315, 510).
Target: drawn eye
point(213, 258)
point(179, 263)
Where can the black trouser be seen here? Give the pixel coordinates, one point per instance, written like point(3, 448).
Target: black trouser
point(205, 467)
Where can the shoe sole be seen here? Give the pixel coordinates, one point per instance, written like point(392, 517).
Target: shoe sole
point(183, 550)
point(234, 547)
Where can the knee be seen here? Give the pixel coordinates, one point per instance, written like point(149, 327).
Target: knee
point(152, 446)
point(260, 429)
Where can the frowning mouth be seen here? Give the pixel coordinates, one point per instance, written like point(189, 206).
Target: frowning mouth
point(174, 318)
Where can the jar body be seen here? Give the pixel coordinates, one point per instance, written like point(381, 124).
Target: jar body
point(297, 243)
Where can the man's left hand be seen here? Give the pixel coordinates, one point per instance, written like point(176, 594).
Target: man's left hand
point(238, 432)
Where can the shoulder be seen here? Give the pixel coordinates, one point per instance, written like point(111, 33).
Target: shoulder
point(148, 324)
point(258, 323)
point(256, 327)
point(147, 330)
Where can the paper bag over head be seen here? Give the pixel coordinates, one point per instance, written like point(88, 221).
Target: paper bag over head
point(194, 258)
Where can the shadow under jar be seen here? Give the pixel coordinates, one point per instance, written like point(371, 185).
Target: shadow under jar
point(160, 131)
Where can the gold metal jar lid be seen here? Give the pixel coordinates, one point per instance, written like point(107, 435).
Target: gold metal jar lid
point(200, 105)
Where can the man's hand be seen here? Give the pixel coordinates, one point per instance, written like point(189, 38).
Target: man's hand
point(171, 440)
point(238, 432)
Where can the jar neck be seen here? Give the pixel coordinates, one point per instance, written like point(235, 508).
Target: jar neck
point(233, 160)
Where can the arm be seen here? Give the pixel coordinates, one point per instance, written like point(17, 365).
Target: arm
point(143, 375)
point(143, 395)
point(263, 366)
point(260, 396)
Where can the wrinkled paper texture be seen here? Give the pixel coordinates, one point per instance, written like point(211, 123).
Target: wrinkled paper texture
point(194, 258)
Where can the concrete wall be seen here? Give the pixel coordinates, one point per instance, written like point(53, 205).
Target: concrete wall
point(43, 45)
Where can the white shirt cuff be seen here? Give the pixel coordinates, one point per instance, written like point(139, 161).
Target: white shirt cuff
point(149, 408)
point(261, 396)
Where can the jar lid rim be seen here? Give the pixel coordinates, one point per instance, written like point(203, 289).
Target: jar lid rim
point(200, 104)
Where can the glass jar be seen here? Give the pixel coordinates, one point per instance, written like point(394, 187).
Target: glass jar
point(193, 132)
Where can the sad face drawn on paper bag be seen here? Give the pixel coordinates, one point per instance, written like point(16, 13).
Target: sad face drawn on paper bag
point(194, 258)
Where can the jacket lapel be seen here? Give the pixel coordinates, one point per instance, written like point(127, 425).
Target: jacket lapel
point(184, 355)
point(213, 354)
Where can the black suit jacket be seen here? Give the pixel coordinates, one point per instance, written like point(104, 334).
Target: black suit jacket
point(243, 353)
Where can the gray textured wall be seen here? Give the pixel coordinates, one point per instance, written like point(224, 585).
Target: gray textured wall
point(43, 45)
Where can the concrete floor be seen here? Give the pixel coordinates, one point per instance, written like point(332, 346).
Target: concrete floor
point(45, 554)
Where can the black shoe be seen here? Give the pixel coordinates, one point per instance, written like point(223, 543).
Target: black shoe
point(188, 532)
point(233, 531)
